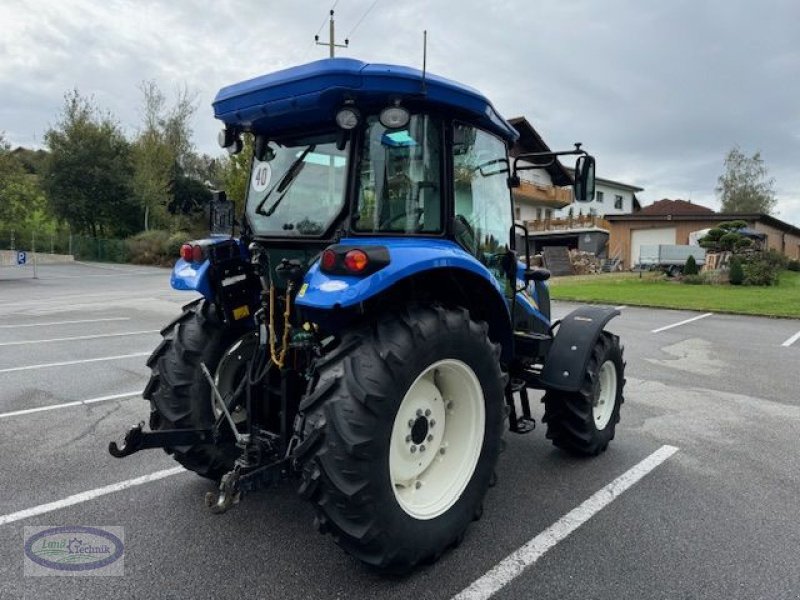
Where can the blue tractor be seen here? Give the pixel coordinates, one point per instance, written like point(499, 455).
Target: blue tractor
point(374, 328)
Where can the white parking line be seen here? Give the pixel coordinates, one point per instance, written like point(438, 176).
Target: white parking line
point(621, 306)
point(90, 495)
point(516, 562)
point(791, 340)
point(28, 411)
point(65, 322)
point(73, 362)
point(679, 323)
point(79, 337)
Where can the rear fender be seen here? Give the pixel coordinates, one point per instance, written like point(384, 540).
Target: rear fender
point(569, 354)
point(196, 276)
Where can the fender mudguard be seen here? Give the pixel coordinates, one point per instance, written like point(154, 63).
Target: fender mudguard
point(407, 257)
point(572, 346)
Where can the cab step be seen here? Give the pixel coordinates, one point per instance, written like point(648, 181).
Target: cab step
point(516, 423)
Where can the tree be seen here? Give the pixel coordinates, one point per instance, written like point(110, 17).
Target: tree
point(745, 186)
point(88, 173)
point(690, 268)
point(235, 174)
point(22, 204)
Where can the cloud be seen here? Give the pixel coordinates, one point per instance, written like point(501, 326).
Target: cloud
point(658, 91)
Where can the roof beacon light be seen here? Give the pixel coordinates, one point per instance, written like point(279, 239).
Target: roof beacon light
point(348, 118)
point(394, 117)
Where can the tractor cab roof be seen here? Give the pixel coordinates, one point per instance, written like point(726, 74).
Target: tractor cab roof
point(308, 96)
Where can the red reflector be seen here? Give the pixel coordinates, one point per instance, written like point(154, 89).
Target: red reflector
point(356, 261)
point(186, 252)
point(197, 254)
point(328, 260)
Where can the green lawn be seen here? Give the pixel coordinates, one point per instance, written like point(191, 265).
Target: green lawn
point(782, 300)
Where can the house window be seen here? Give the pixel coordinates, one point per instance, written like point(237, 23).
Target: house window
point(599, 196)
point(538, 214)
point(618, 202)
point(548, 214)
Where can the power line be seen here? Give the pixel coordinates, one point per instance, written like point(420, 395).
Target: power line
point(325, 20)
point(366, 12)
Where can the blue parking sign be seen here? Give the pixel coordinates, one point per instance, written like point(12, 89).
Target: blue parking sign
point(22, 257)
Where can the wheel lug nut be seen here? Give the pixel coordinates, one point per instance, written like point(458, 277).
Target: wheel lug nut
point(411, 422)
point(413, 449)
point(428, 413)
point(419, 412)
point(422, 448)
point(449, 405)
point(418, 485)
point(408, 438)
point(430, 438)
point(441, 450)
point(432, 423)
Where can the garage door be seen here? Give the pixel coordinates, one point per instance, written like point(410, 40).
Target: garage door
point(650, 237)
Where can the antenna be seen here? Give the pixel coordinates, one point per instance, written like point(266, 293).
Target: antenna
point(424, 58)
point(331, 43)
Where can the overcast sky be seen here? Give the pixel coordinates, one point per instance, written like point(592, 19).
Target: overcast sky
point(658, 90)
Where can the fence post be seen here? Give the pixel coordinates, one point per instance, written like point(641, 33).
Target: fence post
point(33, 252)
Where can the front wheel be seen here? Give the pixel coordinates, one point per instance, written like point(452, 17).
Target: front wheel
point(400, 435)
point(584, 422)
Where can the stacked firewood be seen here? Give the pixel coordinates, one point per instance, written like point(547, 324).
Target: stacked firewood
point(585, 263)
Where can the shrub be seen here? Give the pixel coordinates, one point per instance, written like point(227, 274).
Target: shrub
point(693, 279)
point(793, 265)
point(150, 248)
point(690, 268)
point(763, 268)
point(736, 275)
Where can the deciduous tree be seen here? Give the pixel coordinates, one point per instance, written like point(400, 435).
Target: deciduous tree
point(745, 186)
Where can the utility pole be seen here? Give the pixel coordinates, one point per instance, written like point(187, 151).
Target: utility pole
point(331, 43)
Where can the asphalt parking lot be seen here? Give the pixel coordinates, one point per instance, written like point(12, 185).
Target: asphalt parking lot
point(718, 518)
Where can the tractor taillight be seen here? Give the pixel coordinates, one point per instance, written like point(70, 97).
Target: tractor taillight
point(328, 260)
point(197, 254)
point(356, 261)
point(186, 252)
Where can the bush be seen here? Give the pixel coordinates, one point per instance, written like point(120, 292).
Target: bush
point(690, 268)
point(693, 279)
point(763, 268)
point(150, 248)
point(793, 265)
point(736, 275)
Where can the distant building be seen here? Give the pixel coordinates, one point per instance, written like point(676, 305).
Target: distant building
point(610, 198)
point(542, 191)
point(671, 222)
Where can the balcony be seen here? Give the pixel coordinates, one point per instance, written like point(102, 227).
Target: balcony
point(547, 196)
point(569, 224)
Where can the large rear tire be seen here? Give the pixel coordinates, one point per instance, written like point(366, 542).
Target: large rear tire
point(584, 422)
point(401, 430)
point(179, 394)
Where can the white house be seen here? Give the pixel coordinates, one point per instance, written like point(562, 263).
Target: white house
point(610, 198)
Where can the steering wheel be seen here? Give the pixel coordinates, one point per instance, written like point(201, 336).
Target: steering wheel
point(387, 224)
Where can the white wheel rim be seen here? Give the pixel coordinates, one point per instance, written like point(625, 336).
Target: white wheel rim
point(606, 397)
point(437, 438)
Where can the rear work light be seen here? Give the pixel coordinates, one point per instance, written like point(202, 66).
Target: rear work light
point(343, 259)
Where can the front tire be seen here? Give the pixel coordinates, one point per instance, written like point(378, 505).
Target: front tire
point(584, 422)
point(401, 431)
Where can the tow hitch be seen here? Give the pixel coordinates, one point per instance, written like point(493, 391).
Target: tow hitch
point(136, 439)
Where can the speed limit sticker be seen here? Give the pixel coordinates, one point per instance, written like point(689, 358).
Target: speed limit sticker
point(262, 173)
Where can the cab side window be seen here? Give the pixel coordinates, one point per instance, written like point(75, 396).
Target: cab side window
point(482, 197)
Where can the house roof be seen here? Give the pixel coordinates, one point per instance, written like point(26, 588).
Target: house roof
point(530, 141)
point(675, 207)
point(711, 217)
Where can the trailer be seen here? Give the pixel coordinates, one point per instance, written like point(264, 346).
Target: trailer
point(670, 258)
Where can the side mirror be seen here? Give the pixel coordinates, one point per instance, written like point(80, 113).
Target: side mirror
point(584, 179)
